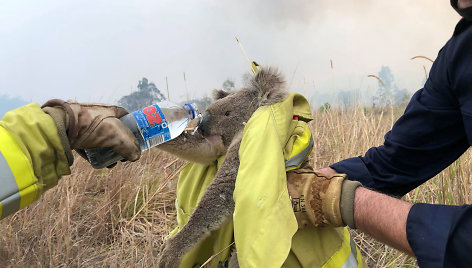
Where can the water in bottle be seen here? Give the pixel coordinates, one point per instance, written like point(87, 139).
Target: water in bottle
point(151, 126)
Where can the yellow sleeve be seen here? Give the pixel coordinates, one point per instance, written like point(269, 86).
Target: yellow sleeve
point(32, 158)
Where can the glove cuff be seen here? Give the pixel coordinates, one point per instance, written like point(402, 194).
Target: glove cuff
point(347, 201)
point(60, 119)
point(331, 200)
point(72, 130)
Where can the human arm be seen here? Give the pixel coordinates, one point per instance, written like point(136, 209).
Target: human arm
point(344, 202)
point(425, 140)
point(32, 158)
point(35, 148)
point(383, 217)
point(397, 165)
point(432, 133)
point(437, 235)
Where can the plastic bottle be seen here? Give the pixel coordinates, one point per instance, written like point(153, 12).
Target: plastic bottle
point(151, 126)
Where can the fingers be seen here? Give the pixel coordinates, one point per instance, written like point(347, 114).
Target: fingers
point(327, 171)
point(120, 112)
point(99, 126)
point(125, 143)
point(112, 133)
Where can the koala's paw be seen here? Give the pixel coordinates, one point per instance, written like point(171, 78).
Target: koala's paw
point(170, 255)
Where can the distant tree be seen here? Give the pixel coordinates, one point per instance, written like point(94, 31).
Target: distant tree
point(228, 85)
point(385, 91)
point(388, 92)
point(147, 94)
point(387, 77)
point(325, 107)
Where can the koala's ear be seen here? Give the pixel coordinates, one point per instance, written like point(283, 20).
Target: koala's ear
point(219, 94)
point(270, 86)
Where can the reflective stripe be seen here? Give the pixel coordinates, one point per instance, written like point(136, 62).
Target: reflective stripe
point(347, 256)
point(10, 205)
point(352, 259)
point(9, 196)
point(17, 181)
point(296, 160)
point(7, 180)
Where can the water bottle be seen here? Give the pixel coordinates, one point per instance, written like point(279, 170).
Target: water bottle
point(151, 126)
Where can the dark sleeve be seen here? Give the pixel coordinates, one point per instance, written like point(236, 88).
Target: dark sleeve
point(425, 140)
point(440, 235)
point(432, 133)
point(459, 244)
point(435, 130)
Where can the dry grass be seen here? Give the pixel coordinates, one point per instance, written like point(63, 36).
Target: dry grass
point(83, 221)
point(342, 134)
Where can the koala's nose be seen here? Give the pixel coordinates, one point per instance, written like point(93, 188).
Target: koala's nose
point(203, 126)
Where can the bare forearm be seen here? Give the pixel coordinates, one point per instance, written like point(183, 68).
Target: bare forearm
point(383, 217)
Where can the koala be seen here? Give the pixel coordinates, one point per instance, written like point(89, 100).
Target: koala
point(220, 132)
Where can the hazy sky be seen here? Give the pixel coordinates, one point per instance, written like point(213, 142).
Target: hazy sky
point(98, 50)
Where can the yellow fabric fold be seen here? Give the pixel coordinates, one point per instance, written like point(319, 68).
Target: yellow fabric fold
point(30, 144)
point(39, 140)
point(193, 181)
point(265, 229)
point(264, 223)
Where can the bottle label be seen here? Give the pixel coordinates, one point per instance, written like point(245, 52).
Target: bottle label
point(153, 125)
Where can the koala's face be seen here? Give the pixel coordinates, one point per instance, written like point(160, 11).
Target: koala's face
point(226, 116)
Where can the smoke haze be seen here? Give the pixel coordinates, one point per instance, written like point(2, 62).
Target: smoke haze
point(98, 50)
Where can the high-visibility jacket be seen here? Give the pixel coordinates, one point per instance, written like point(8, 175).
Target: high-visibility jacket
point(264, 228)
point(32, 158)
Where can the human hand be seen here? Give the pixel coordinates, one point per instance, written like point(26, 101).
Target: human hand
point(322, 198)
point(90, 125)
point(327, 171)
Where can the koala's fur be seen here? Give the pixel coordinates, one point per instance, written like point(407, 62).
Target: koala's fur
point(219, 133)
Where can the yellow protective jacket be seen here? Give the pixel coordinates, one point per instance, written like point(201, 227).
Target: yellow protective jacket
point(264, 228)
point(32, 158)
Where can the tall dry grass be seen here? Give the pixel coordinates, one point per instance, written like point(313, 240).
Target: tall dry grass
point(83, 222)
point(340, 134)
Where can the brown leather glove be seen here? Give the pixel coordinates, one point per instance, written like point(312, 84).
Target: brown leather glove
point(319, 200)
point(90, 125)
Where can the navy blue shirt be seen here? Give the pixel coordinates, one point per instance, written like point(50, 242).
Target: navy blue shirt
point(434, 131)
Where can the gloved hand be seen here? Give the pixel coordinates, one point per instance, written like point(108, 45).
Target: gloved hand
point(320, 200)
point(89, 125)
